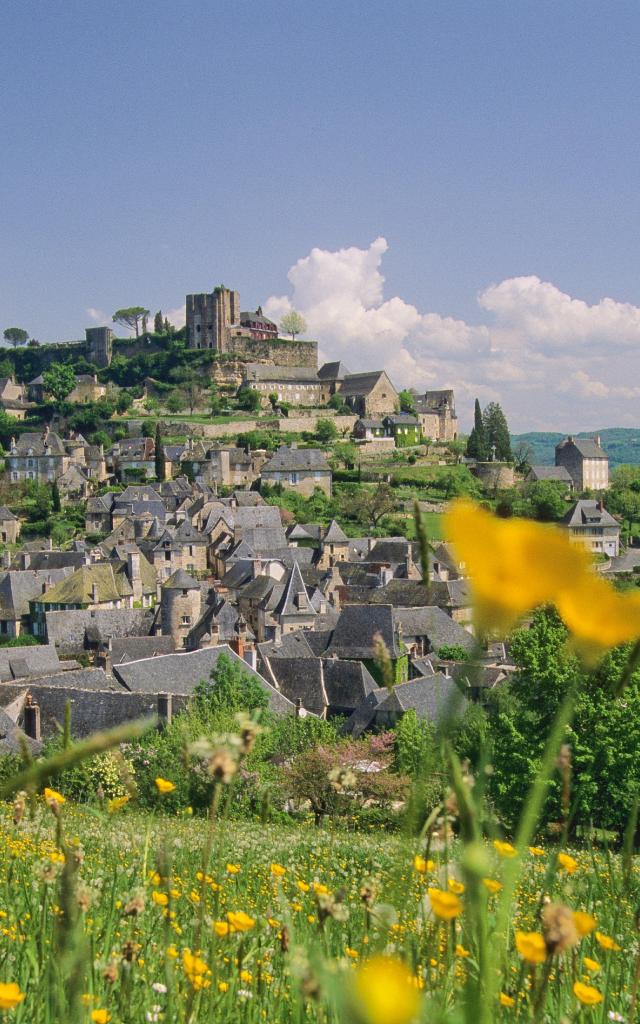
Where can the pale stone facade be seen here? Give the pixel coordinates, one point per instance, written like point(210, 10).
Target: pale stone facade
point(585, 461)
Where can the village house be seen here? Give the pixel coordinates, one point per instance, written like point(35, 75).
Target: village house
point(9, 526)
point(132, 458)
point(296, 385)
point(258, 325)
point(369, 395)
point(404, 428)
point(436, 412)
point(368, 430)
point(13, 398)
point(585, 461)
point(87, 389)
point(298, 469)
point(331, 377)
point(556, 474)
point(589, 524)
point(37, 456)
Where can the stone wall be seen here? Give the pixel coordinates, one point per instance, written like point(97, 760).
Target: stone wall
point(278, 351)
point(494, 474)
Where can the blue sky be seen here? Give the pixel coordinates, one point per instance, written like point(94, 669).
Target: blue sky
point(152, 149)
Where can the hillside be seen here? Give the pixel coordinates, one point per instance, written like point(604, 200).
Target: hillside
point(622, 444)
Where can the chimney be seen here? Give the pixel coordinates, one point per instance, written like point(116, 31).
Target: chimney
point(597, 440)
point(32, 719)
point(601, 506)
point(251, 658)
point(256, 568)
point(237, 645)
point(133, 565)
point(165, 709)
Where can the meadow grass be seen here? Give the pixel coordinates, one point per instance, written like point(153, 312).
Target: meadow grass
point(136, 931)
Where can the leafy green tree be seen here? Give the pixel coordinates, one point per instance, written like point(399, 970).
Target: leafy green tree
point(496, 433)
point(369, 506)
point(158, 324)
point(346, 454)
point(453, 652)
point(546, 500)
point(59, 380)
point(132, 317)
point(231, 687)
point(407, 401)
point(16, 336)
point(175, 402)
point(326, 431)
point(293, 323)
point(477, 442)
point(248, 400)
point(522, 457)
point(338, 403)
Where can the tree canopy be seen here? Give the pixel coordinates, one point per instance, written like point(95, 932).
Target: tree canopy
point(132, 317)
point(59, 381)
point(16, 336)
point(293, 323)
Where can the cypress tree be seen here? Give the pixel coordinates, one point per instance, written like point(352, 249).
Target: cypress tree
point(56, 504)
point(496, 432)
point(159, 455)
point(477, 442)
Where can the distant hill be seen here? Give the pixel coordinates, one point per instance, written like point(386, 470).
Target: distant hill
point(622, 444)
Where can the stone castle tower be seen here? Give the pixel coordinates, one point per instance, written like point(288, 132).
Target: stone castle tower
point(99, 345)
point(180, 607)
point(209, 317)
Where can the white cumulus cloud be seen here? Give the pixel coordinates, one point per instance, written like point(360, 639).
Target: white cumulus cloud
point(554, 361)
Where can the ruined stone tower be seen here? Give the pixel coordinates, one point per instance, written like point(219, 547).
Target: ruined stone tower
point(209, 316)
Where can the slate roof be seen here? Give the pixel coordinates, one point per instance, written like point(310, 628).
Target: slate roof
point(291, 645)
point(436, 698)
point(403, 419)
point(587, 446)
point(12, 737)
point(558, 473)
point(295, 601)
point(302, 460)
point(334, 534)
point(75, 629)
point(264, 372)
point(181, 673)
point(333, 371)
point(18, 662)
point(19, 587)
point(587, 513)
point(6, 515)
point(181, 580)
point(35, 440)
point(77, 589)
point(435, 625)
point(300, 679)
point(347, 683)
point(355, 630)
point(360, 383)
point(125, 649)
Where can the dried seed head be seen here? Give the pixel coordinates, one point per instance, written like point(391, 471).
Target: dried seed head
point(221, 766)
point(19, 807)
point(559, 928)
point(135, 905)
point(110, 973)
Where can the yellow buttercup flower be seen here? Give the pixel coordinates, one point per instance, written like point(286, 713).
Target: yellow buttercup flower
point(233, 869)
point(10, 995)
point(461, 951)
point(492, 885)
point(117, 803)
point(223, 986)
point(531, 947)
point(53, 797)
point(221, 928)
point(320, 889)
point(303, 886)
point(455, 886)
point(445, 905)
point(536, 851)
point(506, 1000)
point(100, 1016)
point(585, 923)
point(504, 849)
point(587, 994)
point(514, 565)
point(273, 922)
point(569, 864)
point(160, 898)
point(164, 786)
point(278, 870)
point(591, 965)
point(421, 865)
point(383, 991)
point(606, 942)
point(240, 921)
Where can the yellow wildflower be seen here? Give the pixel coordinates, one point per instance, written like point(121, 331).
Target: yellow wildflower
point(598, 616)
point(278, 870)
point(246, 976)
point(568, 863)
point(303, 886)
point(117, 803)
point(455, 886)
point(164, 786)
point(353, 953)
point(536, 851)
point(160, 898)
point(10, 994)
point(320, 889)
point(504, 849)
point(421, 865)
point(223, 986)
point(53, 797)
point(506, 1000)
point(221, 928)
point(272, 922)
point(585, 923)
point(591, 965)
point(607, 943)
point(240, 921)
point(587, 994)
point(461, 951)
point(445, 905)
point(100, 1016)
point(531, 947)
point(383, 992)
point(233, 869)
point(492, 885)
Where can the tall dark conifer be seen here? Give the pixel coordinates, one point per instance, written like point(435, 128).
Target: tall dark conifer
point(496, 432)
point(159, 454)
point(477, 443)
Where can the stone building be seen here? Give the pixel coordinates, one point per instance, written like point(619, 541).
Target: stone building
point(585, 461)
point(9, 526)
point(369, 394)
point(37, 456)
point(404, 428)
point(209, 317)
point(180, 607)
point(99, 345)
point(87, 389)
point(298, 469)
point(589, 524)
point(298, 385)
point(436, 411)
point(258, 325)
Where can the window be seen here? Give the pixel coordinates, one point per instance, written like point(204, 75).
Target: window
point(186, 620)
point(293, 478)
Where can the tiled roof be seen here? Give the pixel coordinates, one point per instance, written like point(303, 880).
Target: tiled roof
point(297, 459)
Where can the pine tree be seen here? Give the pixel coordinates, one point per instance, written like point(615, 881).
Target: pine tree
point(496, 432)
point(477, 443)
point(159, 454)
point(56, 504)
point(158, 323)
